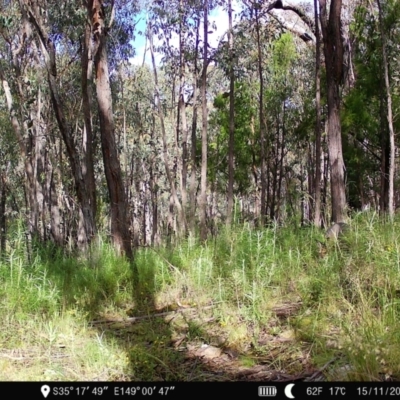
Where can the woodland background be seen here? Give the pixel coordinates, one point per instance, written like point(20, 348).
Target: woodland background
point(160, 148)
point(203, 164)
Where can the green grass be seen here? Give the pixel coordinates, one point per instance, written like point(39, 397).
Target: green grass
point(268, 296)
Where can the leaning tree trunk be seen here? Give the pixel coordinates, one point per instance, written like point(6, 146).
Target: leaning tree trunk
point(118, 199)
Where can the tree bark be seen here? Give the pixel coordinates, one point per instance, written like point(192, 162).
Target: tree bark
point(118, 199)
point(385, 153)
point(3, 220)
point(281, 158)
point(333, 50)
point(203, 179)
point(193, 172)
point(87, 139)
point(262, 123)
point(317, 182)
point(389, 112)
point(182, 106)
point(231, 144)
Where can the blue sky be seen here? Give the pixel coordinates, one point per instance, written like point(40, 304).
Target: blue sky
point(218, 15)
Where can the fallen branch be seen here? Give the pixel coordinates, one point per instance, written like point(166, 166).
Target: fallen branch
point(131, 320)
point(319, 371)
point(29, 358)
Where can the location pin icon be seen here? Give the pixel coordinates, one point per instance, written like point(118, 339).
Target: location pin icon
point(45, 389)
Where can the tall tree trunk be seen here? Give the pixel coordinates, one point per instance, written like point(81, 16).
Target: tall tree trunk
point(37, 153)
point(275, 163)
point(257, 207)
point(118, 199)
point(302, 194)
point(385, 153)
point(154, 189)
point(389, 112)
point(333, 50)
point(182, 106)
point(262, 122)
point(317, 182)
point(174, 200)
point(324, 192)
point(231, 145)
point(87, 139)
point(281, 158)
point(3, 198)
point(203, 179)
point(310, 181)
point(193, 172)
point(55, 215)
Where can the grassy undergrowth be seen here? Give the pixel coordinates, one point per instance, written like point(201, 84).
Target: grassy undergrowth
point(271, 297)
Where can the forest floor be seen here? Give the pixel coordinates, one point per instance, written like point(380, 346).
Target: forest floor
point(164, 345)
point(192, 338)
point(277, 304)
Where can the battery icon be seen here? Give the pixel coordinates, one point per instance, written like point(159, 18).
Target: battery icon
point(267, 391)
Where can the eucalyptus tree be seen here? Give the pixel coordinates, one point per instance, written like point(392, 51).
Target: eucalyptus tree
point(10, 182)
point(166, 25)
point(27, 103)
point(60, 48)
point(193, 135)
point(281, 111)
point(366, 111)
point(204, 130)
point(112, 167)
point(286, 86)
point(259, 32)
point(389, 106)
point(262, 119)
point(331, 29)
point(181, 31)
point(231, 150)
point(333, 51)
point(317, 181)
point(275, 97)
point(158, 100)
point(141, 148)
point(41, 18)
point(245, 145)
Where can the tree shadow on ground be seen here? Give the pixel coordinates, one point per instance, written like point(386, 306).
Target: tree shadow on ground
point(175, 343)
point(154, 340)
point(178, 343)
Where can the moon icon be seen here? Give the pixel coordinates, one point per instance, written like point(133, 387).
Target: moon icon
point(288, 391)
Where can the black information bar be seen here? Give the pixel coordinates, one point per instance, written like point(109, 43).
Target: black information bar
point(187, 390)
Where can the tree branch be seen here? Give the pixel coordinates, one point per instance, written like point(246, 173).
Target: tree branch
point(278, 5)
point(302, 35)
